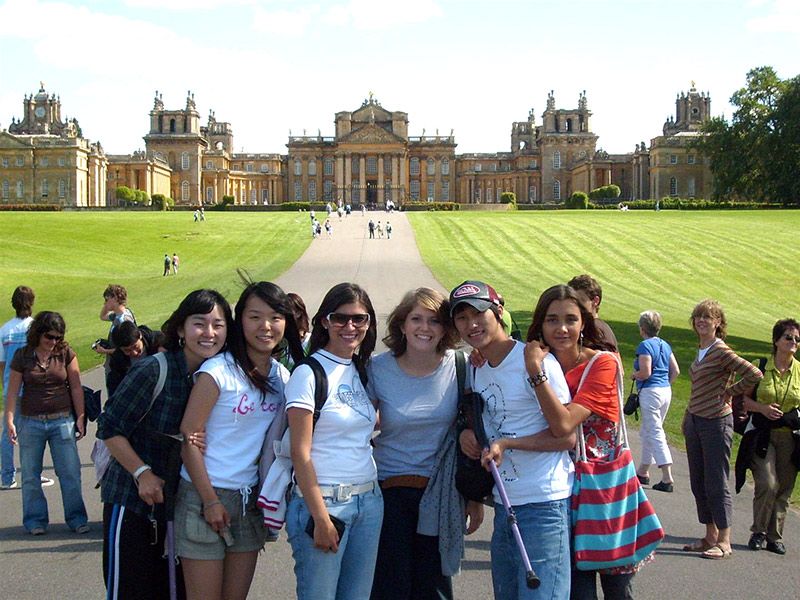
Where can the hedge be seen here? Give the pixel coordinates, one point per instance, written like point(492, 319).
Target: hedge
point(32, 207)
point(686, 204)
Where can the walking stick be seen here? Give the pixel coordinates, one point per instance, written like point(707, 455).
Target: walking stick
point(531, 579)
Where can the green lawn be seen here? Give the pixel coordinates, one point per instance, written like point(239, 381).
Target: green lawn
point(68, 259)
point(666, 261)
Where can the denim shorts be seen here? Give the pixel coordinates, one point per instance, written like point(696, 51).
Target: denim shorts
point(194, 538)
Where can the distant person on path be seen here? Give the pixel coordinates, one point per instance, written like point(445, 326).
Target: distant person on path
point(363, 210)
point(328, 228)
point(379, 230)
point(167, 264)
point(314, 225)
point(235, 399)
point(708, 426)
point(133, 488)
point(131, 344)
point(774, 470)
point(175, 263)
point(202, 213)
point(415, 387)
point(313, 215)
point(654, 370)
point(371, 227)
point(347, 210)
point(328, 209)
point(564, 327)
point(591, 295)
point(115, 310)
point(340, 211)
point(334, 516)
point(388, 230)
point(13, 336)
point(196, 215)
point(46, 370)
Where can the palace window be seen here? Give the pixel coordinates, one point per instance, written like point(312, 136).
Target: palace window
point(5, 162)
point(488, 195)
point(445, 167)
point(298, 167)
point(556, 190)
point(673, 159)
point(533, 164)
point(355, 164)
point(61, 161)
point(556, 159)
point(20, 161)
point(673, 186)
point(312, 190)
point(478, 167)
point(243, 196)
point(44, 161)
point(372, 165)
point(265, 196)
point(264, 168)
point(327, 190)
point(5, 189)
point(431, 190)
point(249, 167)
point(62, 188)
point(253, 196)
point(387, 165)
point(690, 159)
point(414, 166)
point(415, 189)
point(298, 191)
point(445, 191)
point(532, 193)
point(185, 191)
point(45, 188)
point(20, 189)
point(210, 194)
point(355, 193)
point(312, 167)
point(185, 161)
point(209, 164)
point(327, 166)
point(431, 168)
point(690, 187)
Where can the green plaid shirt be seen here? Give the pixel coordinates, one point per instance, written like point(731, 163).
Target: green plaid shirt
point(121, 416)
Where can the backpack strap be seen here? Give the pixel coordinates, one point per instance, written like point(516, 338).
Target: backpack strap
point(461, 373)
point(161, 359)
point(762, 366)
point(320, 386)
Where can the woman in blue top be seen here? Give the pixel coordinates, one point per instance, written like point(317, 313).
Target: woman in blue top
point(654, 369)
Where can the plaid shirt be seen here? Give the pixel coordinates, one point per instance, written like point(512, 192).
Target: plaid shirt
point(121, 417)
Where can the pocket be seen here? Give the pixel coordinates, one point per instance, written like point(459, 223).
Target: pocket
point(194, 524)
point(67, 430)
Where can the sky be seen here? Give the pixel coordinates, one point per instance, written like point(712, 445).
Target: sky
point(271, 66)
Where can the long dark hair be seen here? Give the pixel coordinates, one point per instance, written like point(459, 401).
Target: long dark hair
point(277, 299)
point(345, 293)
point(43, 322)
point(592, 337)
point(198, 302)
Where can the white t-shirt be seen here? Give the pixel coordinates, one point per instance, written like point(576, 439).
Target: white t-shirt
point(238, 423)
point(340, 448)
point(512, 410)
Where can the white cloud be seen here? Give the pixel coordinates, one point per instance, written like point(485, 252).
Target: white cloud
point(284, 22)
point(186, 5)
point(385, 14)
point(783, 16)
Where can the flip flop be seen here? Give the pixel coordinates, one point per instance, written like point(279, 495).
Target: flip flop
point(717, 552)
point(700, 545)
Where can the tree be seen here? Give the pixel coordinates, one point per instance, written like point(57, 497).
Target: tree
point(755, 156)
point(508, 198)
point(125, 194)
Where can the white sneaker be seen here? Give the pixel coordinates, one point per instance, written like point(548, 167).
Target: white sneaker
point(46, 481)
point(11, 486)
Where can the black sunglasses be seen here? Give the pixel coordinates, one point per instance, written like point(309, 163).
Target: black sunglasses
point(342, 319)
point(791, 338)
point(53, 338)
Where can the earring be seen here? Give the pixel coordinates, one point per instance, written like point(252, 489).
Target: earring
point(181, 342)
point(580, 342)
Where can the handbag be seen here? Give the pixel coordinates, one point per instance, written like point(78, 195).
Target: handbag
point(613, 522)
point(632, 403)
point(472, 480)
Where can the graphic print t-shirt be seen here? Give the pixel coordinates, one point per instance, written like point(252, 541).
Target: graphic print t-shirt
point(340, 449)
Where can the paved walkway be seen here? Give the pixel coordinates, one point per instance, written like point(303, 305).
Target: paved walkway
point(64, 565)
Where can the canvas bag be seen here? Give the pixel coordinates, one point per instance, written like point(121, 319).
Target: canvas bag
point(613, 522)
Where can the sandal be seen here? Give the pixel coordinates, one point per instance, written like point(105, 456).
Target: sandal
point(701, 545)
point(717, 552)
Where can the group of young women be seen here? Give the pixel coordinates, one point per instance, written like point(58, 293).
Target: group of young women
point(378, 515)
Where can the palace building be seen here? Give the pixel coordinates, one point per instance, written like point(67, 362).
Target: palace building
point(371, 158)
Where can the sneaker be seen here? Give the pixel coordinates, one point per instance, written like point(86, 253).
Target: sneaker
point(776, 547)
point(9, 486)
point(757, 541)
point(663, 486)
point(82, 529)
point(38, 531)
point(46, 481)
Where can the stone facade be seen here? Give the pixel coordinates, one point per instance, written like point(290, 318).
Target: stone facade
point(371, 159)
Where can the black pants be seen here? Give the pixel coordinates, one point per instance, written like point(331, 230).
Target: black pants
point(408, 566)
point(615, 587)
point(135, 568)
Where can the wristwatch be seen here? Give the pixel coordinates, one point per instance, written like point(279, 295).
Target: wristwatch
point(537, 379)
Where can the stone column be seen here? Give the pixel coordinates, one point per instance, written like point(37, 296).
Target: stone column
point(362, 178)
point(348, 176)
point(381, 199)
point(403, 159)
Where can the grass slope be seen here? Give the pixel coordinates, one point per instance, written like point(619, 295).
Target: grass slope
point(68, 259)
point(666, 261)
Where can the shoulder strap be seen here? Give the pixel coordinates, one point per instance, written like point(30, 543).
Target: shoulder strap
point(762, 366)
point(320, 386)
point(461, 373)
point(161, 359)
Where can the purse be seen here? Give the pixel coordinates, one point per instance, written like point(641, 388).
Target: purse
point(632, 403)
point(613, 522)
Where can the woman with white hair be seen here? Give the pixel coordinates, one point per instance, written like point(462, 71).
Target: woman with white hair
point(654, 370)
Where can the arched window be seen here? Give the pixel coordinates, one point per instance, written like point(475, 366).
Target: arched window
point(184, 191)
point(415, 188)
point(690, 187)
point(327, 166)
point(298, 191)
point(431, 166)
point(556, 159)
point(185, 161)
point(556, 190)
point(327, 190)
point(445, 167)
point(298, 167)
point(673, 186)
point(20, 188)
point(569, 125)
point(210, 194)
point(445, 191)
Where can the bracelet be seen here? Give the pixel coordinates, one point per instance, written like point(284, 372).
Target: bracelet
point(138, 472)
point(212, 503)
point(537, 379)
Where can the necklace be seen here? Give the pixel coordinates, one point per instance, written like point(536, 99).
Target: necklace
point(39, 361)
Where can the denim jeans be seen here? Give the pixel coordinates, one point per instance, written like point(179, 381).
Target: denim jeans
point(6, 456)
point(346, 574)
point(544, 527)
point(33, 435)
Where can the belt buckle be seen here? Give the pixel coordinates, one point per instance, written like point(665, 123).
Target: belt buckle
point(342, 493)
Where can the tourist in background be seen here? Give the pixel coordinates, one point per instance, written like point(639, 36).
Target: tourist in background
point(654, 370)
point(132, 343)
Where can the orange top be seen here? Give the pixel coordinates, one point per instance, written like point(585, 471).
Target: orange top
point(599, 391)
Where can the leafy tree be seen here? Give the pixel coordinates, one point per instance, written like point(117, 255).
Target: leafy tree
point(125, 193)
point(508, 198)
point(577, 200)
point(756, 156)
point(605, 191)
point(162, 202)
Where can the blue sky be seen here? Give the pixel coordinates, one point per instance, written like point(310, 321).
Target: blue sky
point(270, 66)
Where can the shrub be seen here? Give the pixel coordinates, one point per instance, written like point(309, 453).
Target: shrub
point(579, 200)
point(162, 202)
point(125, 194)
point(605, 191)
point(508, 198)
point(430, 206)
point(32, 207)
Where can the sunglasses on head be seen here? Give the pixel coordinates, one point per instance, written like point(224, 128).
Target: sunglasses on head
point(342, 319)
point(53, 338)
point(791, 338)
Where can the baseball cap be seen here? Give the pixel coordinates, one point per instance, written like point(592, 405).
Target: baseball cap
point(479, 295)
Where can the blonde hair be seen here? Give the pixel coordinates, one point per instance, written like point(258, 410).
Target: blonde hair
point(713, 309)
point(426, 298)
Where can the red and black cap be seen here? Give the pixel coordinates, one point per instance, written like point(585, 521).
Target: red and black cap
point(479, 295)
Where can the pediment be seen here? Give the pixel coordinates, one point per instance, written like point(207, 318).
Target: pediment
point(372, 111)
point(370, 134)
point(10, 142)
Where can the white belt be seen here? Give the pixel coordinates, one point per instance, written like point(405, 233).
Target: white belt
point(342, 492)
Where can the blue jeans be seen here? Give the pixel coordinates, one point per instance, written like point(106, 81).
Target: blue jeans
point(346, 574)
point(33, 435)
point(6, 457)
point(544, 527)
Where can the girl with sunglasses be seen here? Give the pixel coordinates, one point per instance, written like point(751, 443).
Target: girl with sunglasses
point(51, 413)
point(334, 515)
